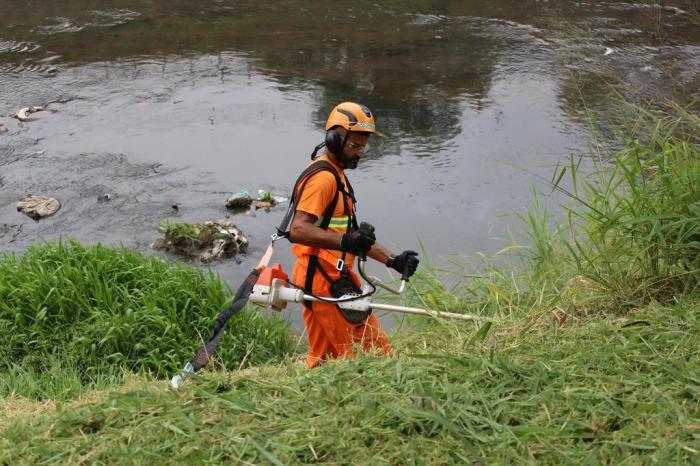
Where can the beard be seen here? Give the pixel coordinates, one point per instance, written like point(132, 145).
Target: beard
point(350, 163)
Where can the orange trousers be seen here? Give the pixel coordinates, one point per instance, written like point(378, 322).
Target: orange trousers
point(329, 334)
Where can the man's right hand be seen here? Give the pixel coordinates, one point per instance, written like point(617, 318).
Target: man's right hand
point(359, 242)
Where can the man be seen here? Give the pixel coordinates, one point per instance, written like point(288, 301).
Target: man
point(328, 238)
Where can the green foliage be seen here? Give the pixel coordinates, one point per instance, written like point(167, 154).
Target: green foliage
point(635, 228)
point(96, 311)
point(184, 235)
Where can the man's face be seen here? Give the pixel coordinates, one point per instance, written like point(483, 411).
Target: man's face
point(355, 148)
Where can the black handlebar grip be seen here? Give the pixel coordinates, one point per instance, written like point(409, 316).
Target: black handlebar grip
point(369, 229)
point(405, 274)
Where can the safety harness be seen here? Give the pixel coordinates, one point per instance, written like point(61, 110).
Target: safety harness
point(348, 195)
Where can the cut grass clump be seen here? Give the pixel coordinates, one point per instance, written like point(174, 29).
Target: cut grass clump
point(90, 313)
point(608, 392)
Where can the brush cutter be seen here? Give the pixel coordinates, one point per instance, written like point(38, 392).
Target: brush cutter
point(270, 287)
point(273, 290)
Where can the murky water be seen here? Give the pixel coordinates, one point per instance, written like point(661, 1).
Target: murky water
point(172, 102)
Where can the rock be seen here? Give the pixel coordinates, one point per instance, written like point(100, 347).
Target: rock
point(23, 113)
point(241, 199)
point(3, 129)
point(37, 207)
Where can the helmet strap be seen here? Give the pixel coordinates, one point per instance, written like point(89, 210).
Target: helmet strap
point(316, 149)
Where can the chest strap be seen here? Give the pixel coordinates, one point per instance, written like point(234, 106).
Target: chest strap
point(283, 229)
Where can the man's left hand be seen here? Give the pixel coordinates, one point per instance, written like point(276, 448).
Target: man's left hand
point(407, 260)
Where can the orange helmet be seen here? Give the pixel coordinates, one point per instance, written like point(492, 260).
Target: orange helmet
point(352, 117)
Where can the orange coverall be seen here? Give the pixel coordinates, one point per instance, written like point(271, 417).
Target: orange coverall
point(329, 334)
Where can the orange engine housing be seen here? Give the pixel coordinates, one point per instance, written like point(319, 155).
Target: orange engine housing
point(269, 273)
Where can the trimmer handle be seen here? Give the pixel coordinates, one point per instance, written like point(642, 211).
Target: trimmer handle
point(376, 282)
point(405, 275)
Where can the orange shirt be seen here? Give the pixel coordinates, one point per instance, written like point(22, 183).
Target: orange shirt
point(315, 198)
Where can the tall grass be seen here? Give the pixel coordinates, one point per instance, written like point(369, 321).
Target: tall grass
point(629, 234)
point(91, 313)
point(635, 226)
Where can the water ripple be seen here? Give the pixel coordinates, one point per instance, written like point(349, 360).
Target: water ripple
point(10, 46)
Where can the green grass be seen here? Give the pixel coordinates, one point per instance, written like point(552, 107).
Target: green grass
point(550, 399)
point(90, 313)
point(594, 359)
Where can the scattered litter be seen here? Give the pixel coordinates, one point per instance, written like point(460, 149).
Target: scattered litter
point(104, 197)
point(23, 113)
point(208, 241)
point(37, 207)
point(39, 152)
point(608, 51)
point(647, 68)
point(265, 200)
point(175, 207)
point(243, 199)
point(588, 60)
point(239, 200)
point(437, 37)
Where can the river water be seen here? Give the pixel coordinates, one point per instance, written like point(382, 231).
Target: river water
point(177, 102)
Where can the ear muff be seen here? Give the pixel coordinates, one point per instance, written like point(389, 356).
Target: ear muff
point(333, 141)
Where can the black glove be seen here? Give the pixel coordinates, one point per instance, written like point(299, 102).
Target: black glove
point(405, 263)
point(360, 241)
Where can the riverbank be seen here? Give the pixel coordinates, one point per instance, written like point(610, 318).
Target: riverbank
point(594, 358)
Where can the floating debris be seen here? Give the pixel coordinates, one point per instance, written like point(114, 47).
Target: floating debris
point(241, 199)
point(23, 113)
point(265, 200)
point(207, 241)
point(37, 207)
point(104, 197)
